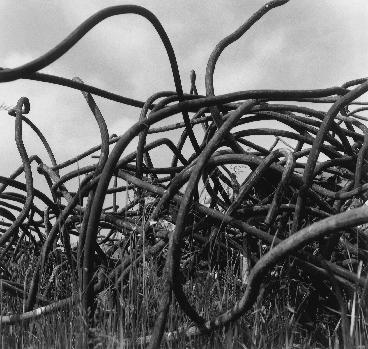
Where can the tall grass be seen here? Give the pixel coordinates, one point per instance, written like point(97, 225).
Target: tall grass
point(287, 314)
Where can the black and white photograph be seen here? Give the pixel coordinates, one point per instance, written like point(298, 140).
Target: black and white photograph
point(184, 174)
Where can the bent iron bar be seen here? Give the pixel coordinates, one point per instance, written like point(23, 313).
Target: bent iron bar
point(279, 190)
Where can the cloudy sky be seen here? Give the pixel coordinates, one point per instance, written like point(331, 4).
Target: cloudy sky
point(303, 44)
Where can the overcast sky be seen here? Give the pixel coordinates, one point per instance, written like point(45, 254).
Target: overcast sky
point(303, 44)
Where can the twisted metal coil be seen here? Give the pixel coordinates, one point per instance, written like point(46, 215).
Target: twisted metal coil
point(286, 204)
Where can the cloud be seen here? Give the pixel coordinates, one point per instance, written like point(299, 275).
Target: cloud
point(304, 44)
point(15, 59)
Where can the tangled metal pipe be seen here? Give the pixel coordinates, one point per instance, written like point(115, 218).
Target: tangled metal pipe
point(298, 209)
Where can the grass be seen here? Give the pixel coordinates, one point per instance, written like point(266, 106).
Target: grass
point(291, 311)
point(279, 319)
